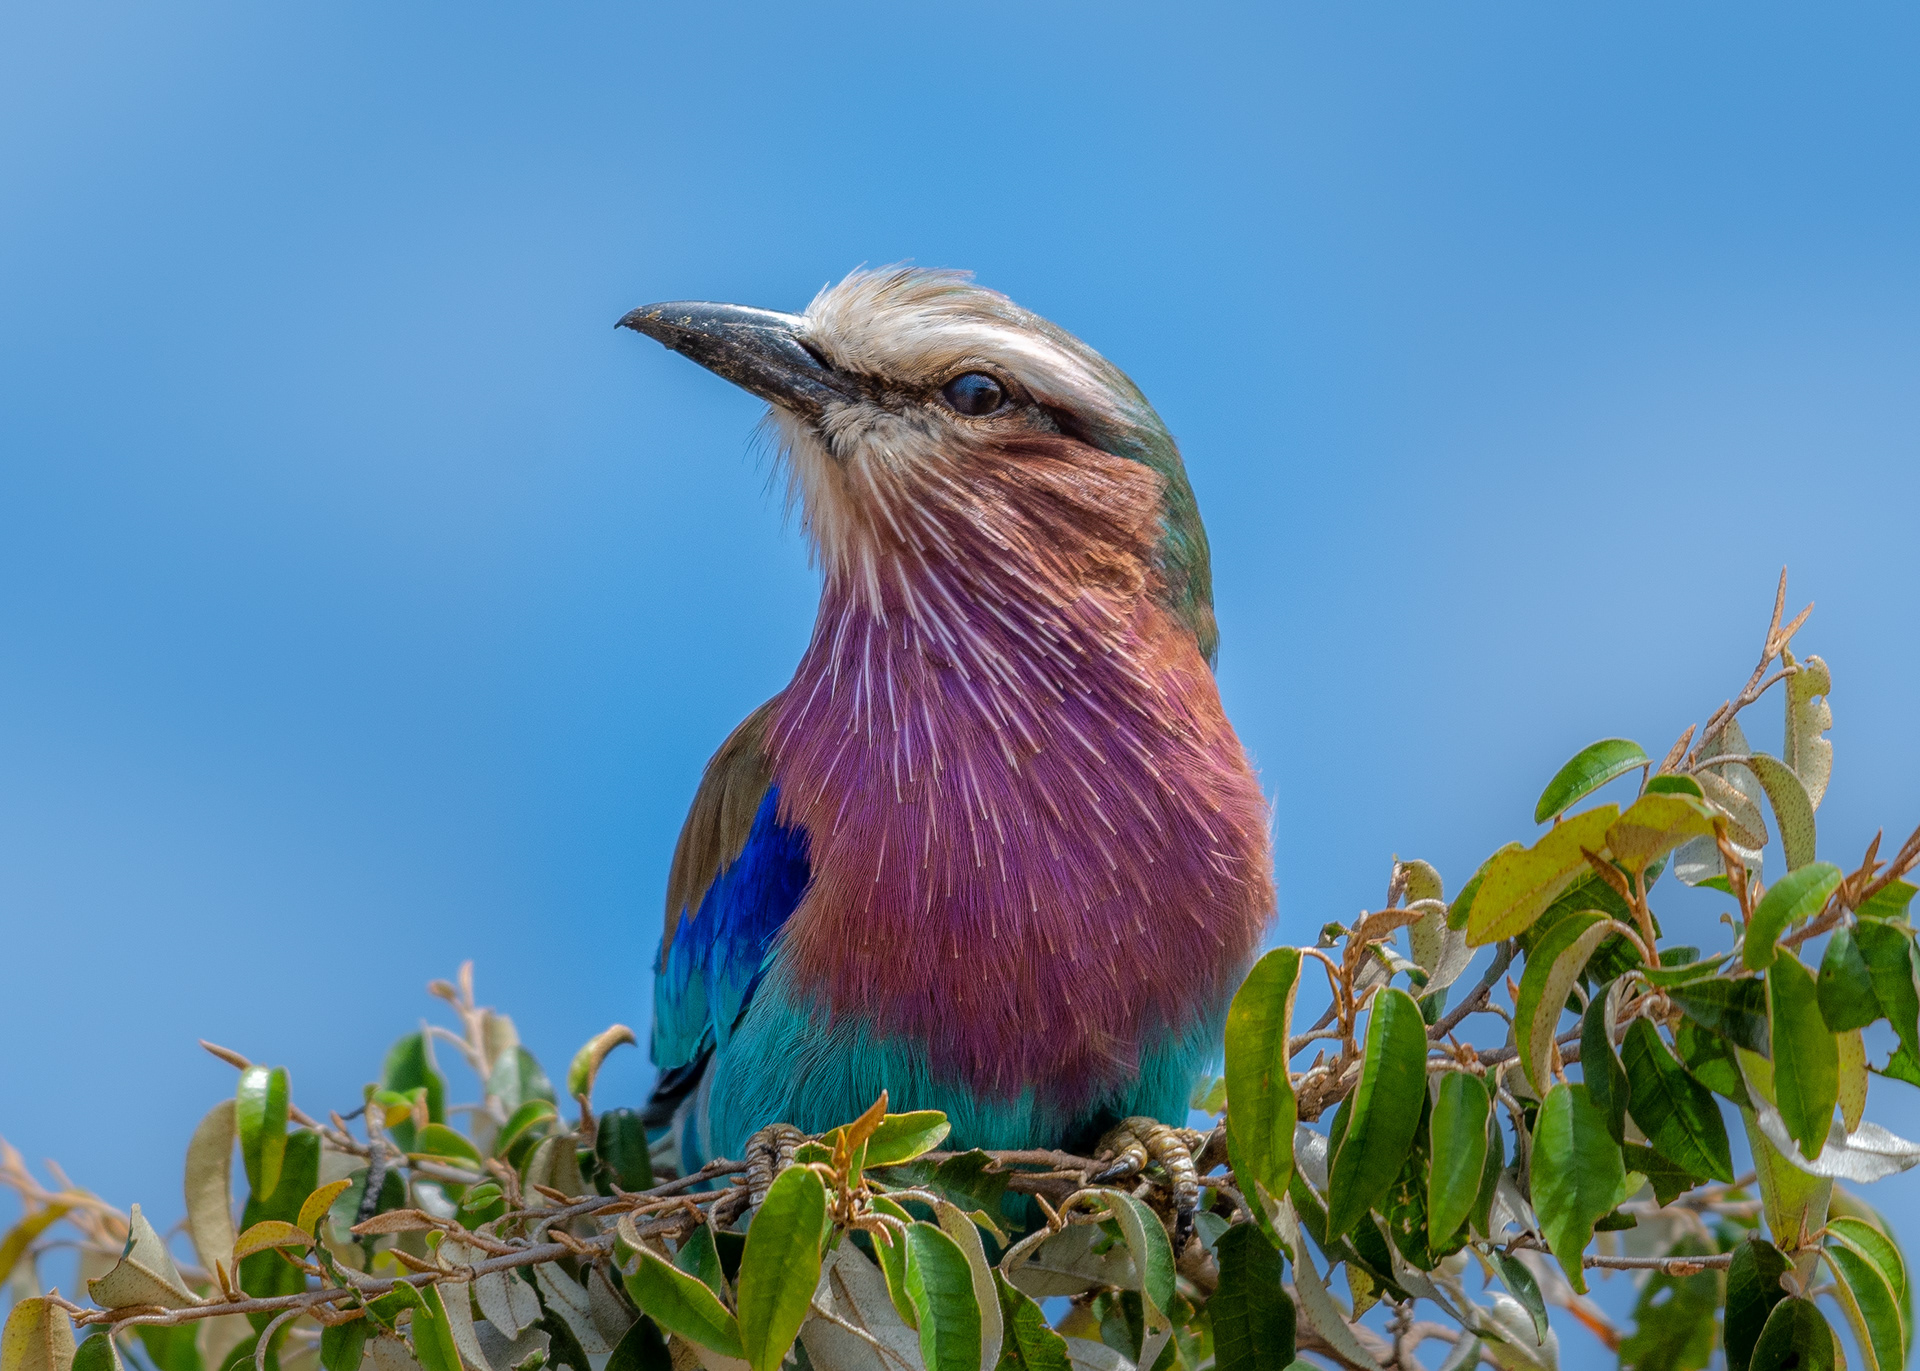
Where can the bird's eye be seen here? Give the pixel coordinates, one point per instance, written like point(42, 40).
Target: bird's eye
point(974, 394)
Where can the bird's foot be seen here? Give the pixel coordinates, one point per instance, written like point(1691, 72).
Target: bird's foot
point(1135, 1143)
point(769, 1152)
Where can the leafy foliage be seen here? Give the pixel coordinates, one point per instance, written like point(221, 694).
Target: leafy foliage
point(525, 1231)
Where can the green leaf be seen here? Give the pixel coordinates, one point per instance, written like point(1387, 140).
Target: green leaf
point(37, 1337)
point(1589, 769)
point(1888, 952)
point(1654, 825)
point(586, 1062)
point(1806, 1060)
point(1847, 999)
point(437, 1140)
point(343, 1344)
point(1792, 808)
point(1261, 1110)
point(1753, 1289)
point(682, 1304)
point(1795, 1202)
point(432, 1338)
point(1029, 1343)
point(260, 1113)
point(525, 1121)
point(641, 1348)
point(700, 1258)
point(965, 1232)
point(1678, 1115)
point(1674, 1318)
point(1578, 1175)
point(1461, 910)
point(1796, 1338)
point(1385, 1110)
point(1869, 1303)
point(1799, 894)
point(781, 1266)
point(1552, 968)
point(1666, 1179)
point(902, 1137)
point(1518, 883)
point(97, 1353)
point(1683, 973)
point(1524, 1288)
point(1606, 1080)
point(1710, 1058)
point(1889, 902)
point(171, 1347)
point(516, 1079)
point(409, 1067)
point(1480, 1220)
point(1671, 783)
point(1459, 1132)
point(940, 1285)
point(620, 1145)
point(1736, 1010)
point(1148, 1246)
point(1874, 1245)
point(1251, 1314)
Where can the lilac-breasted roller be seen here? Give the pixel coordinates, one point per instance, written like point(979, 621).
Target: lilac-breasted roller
point(995, 848)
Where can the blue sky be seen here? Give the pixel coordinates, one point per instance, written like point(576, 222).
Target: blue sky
point(369, 604)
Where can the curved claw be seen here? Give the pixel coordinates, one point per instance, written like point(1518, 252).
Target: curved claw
point(1138, 1141)
point(769, 1152)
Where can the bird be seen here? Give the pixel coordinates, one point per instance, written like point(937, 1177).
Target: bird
point(995, 849)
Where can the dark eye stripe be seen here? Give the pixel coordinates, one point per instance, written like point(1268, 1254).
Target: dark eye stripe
point(974, 394)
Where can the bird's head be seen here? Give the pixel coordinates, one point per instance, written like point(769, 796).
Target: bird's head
point(908, 399)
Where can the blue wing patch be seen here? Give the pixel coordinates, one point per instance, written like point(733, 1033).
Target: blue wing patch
point(710, 962)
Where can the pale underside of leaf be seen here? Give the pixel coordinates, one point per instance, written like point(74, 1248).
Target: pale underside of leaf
point(209, 1185)
point(509, 1303)
point(853, 1291)
point(1809, 714)
point(1317, 1304)
point(145, 1275)
point(1539, 1018)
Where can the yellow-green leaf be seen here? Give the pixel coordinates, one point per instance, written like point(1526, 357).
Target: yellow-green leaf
point(902, 1137)
point(1792, 809)
point(313, 1210)
point(1516, 885)
point(1654, 825)
point(1853, 1078)
point(37, 1337)
point(21, 1236)
point(269, 1233)
point(1262, 1111)
point(1808, 716)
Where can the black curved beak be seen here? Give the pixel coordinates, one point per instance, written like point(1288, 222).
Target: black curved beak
point(757, 349)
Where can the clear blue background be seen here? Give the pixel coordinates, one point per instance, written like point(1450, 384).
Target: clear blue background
point(368, 603)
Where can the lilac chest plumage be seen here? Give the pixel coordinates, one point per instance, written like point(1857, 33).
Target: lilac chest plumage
point(1037, 845)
